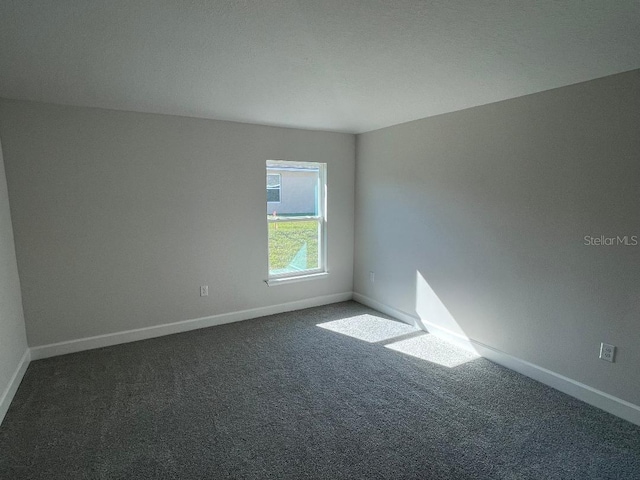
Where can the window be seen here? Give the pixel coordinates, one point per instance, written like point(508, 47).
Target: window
point(296, 220)
point(273, 187)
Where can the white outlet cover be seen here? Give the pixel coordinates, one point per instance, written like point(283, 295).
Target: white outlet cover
point(607, 352)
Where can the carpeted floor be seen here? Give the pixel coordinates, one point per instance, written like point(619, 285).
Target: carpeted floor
point(279, 397)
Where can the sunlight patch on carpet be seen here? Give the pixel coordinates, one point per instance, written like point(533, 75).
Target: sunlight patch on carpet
point(433, 349)
point(369, 328)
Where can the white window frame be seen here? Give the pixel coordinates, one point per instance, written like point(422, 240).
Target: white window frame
point(320, 218)
point(279, 188)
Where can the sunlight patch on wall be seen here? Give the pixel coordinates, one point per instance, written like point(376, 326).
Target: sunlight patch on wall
point(432, 311)
point(433, 349)
point(369, 328)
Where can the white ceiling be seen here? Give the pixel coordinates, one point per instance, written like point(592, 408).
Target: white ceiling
point(342, 65)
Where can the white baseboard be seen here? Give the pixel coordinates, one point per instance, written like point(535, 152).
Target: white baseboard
point(99, 341)
point(609, 403)
point(14, 383)
point(381, 307)
point(614, 405)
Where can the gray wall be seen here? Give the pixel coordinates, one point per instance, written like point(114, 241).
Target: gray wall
point(13, 341)
point(486, 209)
point(119, 217)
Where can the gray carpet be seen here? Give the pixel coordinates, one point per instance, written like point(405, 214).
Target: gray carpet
point(279, 397)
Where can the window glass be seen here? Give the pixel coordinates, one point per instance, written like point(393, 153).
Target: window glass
point(297, 219)
point(273, 187)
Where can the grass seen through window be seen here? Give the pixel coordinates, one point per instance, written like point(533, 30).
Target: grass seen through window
point(287, 244)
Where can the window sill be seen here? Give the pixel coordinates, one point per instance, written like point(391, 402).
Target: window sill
point(272, 282)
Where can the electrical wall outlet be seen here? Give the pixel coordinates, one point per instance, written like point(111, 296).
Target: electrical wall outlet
point(204, 290)
point(372, 277)
point(607, 352)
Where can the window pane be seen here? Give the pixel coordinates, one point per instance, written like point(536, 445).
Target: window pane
point(273, 187)
point(293, 246)
point(273, 180)
point(273, 194)
point(297, 189)
point(294, 190)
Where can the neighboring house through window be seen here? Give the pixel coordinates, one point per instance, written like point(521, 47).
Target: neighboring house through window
point(296, 218)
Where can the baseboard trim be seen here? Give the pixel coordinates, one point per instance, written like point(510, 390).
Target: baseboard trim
point(14, 383)
point(381, 307)
point(107, 340)
point(609, 403)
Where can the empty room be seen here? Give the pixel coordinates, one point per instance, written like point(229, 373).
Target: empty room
point(333, 239)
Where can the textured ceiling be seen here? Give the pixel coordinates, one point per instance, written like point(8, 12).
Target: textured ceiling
point(343, 65)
